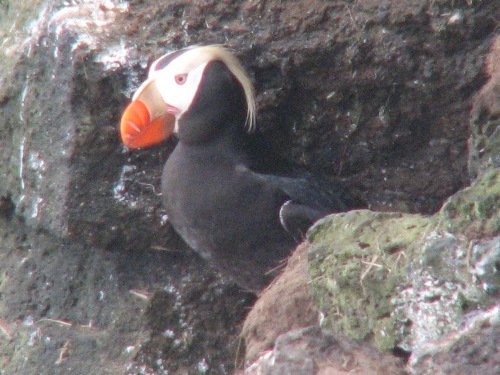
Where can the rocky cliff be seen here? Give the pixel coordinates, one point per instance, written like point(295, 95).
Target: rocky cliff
point(400, 99)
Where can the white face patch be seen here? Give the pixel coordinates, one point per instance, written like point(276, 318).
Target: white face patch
point(180, 94)
point(179, 81)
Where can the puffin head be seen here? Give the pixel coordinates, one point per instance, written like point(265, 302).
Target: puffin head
point(195, 92)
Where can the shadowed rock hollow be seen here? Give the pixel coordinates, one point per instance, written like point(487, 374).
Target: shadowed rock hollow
point(93, 279)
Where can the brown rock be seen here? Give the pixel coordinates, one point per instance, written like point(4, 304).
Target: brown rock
point(285, 305)
point(484, 144)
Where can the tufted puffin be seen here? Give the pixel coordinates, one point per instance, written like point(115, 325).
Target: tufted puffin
point(242, 221)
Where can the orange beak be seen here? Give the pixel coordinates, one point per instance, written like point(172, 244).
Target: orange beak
point(146, 121)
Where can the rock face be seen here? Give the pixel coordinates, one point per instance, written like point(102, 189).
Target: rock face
point(93, 279)
point(425, 287)
point(312, 351)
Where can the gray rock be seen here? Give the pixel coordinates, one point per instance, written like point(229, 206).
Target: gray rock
point(378, 92)
point(309, 351)
point(472, 349)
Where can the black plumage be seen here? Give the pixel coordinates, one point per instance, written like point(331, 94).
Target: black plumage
point(243, 222)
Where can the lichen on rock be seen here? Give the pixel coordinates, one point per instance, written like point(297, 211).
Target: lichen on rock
point(407, 280)
point(357, 261)
point(474, 211)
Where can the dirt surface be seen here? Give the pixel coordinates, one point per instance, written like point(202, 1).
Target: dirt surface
point(72, 309)
point(283, 306)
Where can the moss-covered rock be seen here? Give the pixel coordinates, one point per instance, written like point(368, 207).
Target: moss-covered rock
point(402, 280)
point(474, 211)
point(358, 262)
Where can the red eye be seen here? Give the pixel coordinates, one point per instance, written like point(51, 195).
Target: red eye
point(181, 79)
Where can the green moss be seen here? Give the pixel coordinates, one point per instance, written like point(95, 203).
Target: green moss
point(475, 210)
point(385, 334)
point(484, 144)
point(357, 261)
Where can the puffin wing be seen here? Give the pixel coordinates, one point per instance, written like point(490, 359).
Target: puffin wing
point(310, 198)
point(297, 218)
